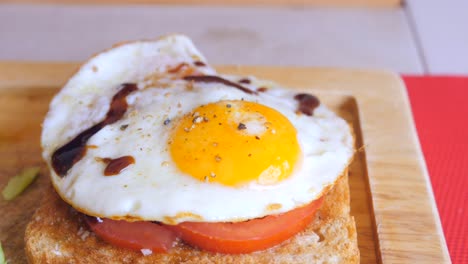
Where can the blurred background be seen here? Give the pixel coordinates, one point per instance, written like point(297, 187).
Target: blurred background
point(409, 37)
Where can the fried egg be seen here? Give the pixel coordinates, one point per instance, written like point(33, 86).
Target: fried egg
point(185, 143)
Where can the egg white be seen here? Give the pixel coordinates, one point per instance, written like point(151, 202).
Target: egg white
point(153, 188)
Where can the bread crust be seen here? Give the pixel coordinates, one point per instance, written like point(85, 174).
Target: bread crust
point(57, 234)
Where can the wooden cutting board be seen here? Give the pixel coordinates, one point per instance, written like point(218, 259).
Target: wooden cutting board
point(391, 195)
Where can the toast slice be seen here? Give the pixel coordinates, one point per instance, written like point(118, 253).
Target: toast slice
point(57, 234)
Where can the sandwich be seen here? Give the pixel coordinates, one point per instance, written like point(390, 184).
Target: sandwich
point(154, 157)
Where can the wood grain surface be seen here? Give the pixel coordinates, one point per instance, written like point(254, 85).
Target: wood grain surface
point(335, 3)
point(391, 197)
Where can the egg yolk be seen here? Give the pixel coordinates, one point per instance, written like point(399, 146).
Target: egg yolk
point(235, 142)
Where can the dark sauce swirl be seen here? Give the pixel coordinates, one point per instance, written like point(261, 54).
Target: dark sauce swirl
point(214, 79)
point(307, 103)
point(69, 154)
point(115, 166)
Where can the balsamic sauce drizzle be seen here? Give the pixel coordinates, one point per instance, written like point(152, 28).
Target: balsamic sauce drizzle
point(115, 166)
point(245, 81)
point(214, 78)
point(307, 103)
point(66, 156)
point(199, 63)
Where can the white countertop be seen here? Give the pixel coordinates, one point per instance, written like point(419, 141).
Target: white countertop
point(394, 38)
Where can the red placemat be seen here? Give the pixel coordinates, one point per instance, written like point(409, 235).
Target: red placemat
point(440, 110)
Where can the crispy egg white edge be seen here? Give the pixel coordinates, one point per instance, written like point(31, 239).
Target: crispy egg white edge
point(131, 194)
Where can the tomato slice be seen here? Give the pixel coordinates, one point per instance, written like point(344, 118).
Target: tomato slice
point(233, 238)
point(133, 235)
point(249, 236)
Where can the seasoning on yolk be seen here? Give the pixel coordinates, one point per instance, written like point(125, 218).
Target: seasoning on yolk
point(234, 142)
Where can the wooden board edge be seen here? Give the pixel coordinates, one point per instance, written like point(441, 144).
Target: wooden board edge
point(425, 172)
point(400, 96)
point(35, 73)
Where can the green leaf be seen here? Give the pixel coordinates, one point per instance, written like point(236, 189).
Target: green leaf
point(2, 256)
point(18, 183)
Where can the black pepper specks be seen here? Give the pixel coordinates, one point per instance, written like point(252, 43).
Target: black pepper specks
point(241, 126)
point(123, 127)
point(167, 121)
point(257, 137)
point(228, 105)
